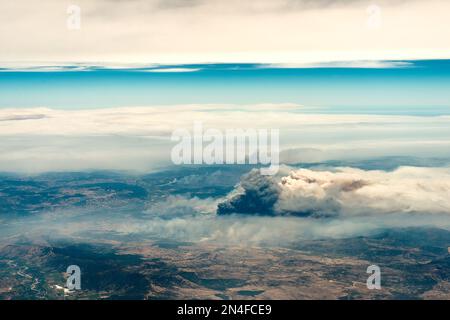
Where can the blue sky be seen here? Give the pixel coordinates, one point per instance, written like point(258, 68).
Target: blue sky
point(419, 87)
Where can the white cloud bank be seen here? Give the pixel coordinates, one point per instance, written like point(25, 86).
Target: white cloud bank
point(357, 192)
point(41, 139)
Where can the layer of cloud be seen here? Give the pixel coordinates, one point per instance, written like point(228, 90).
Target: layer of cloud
point(245, 230)
point(41, 139)
point(269, 31)
point(160, 121)
point(343, 203)
point(343, 192)
point(181, 68)
point(209, 228)
point(343, 64)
